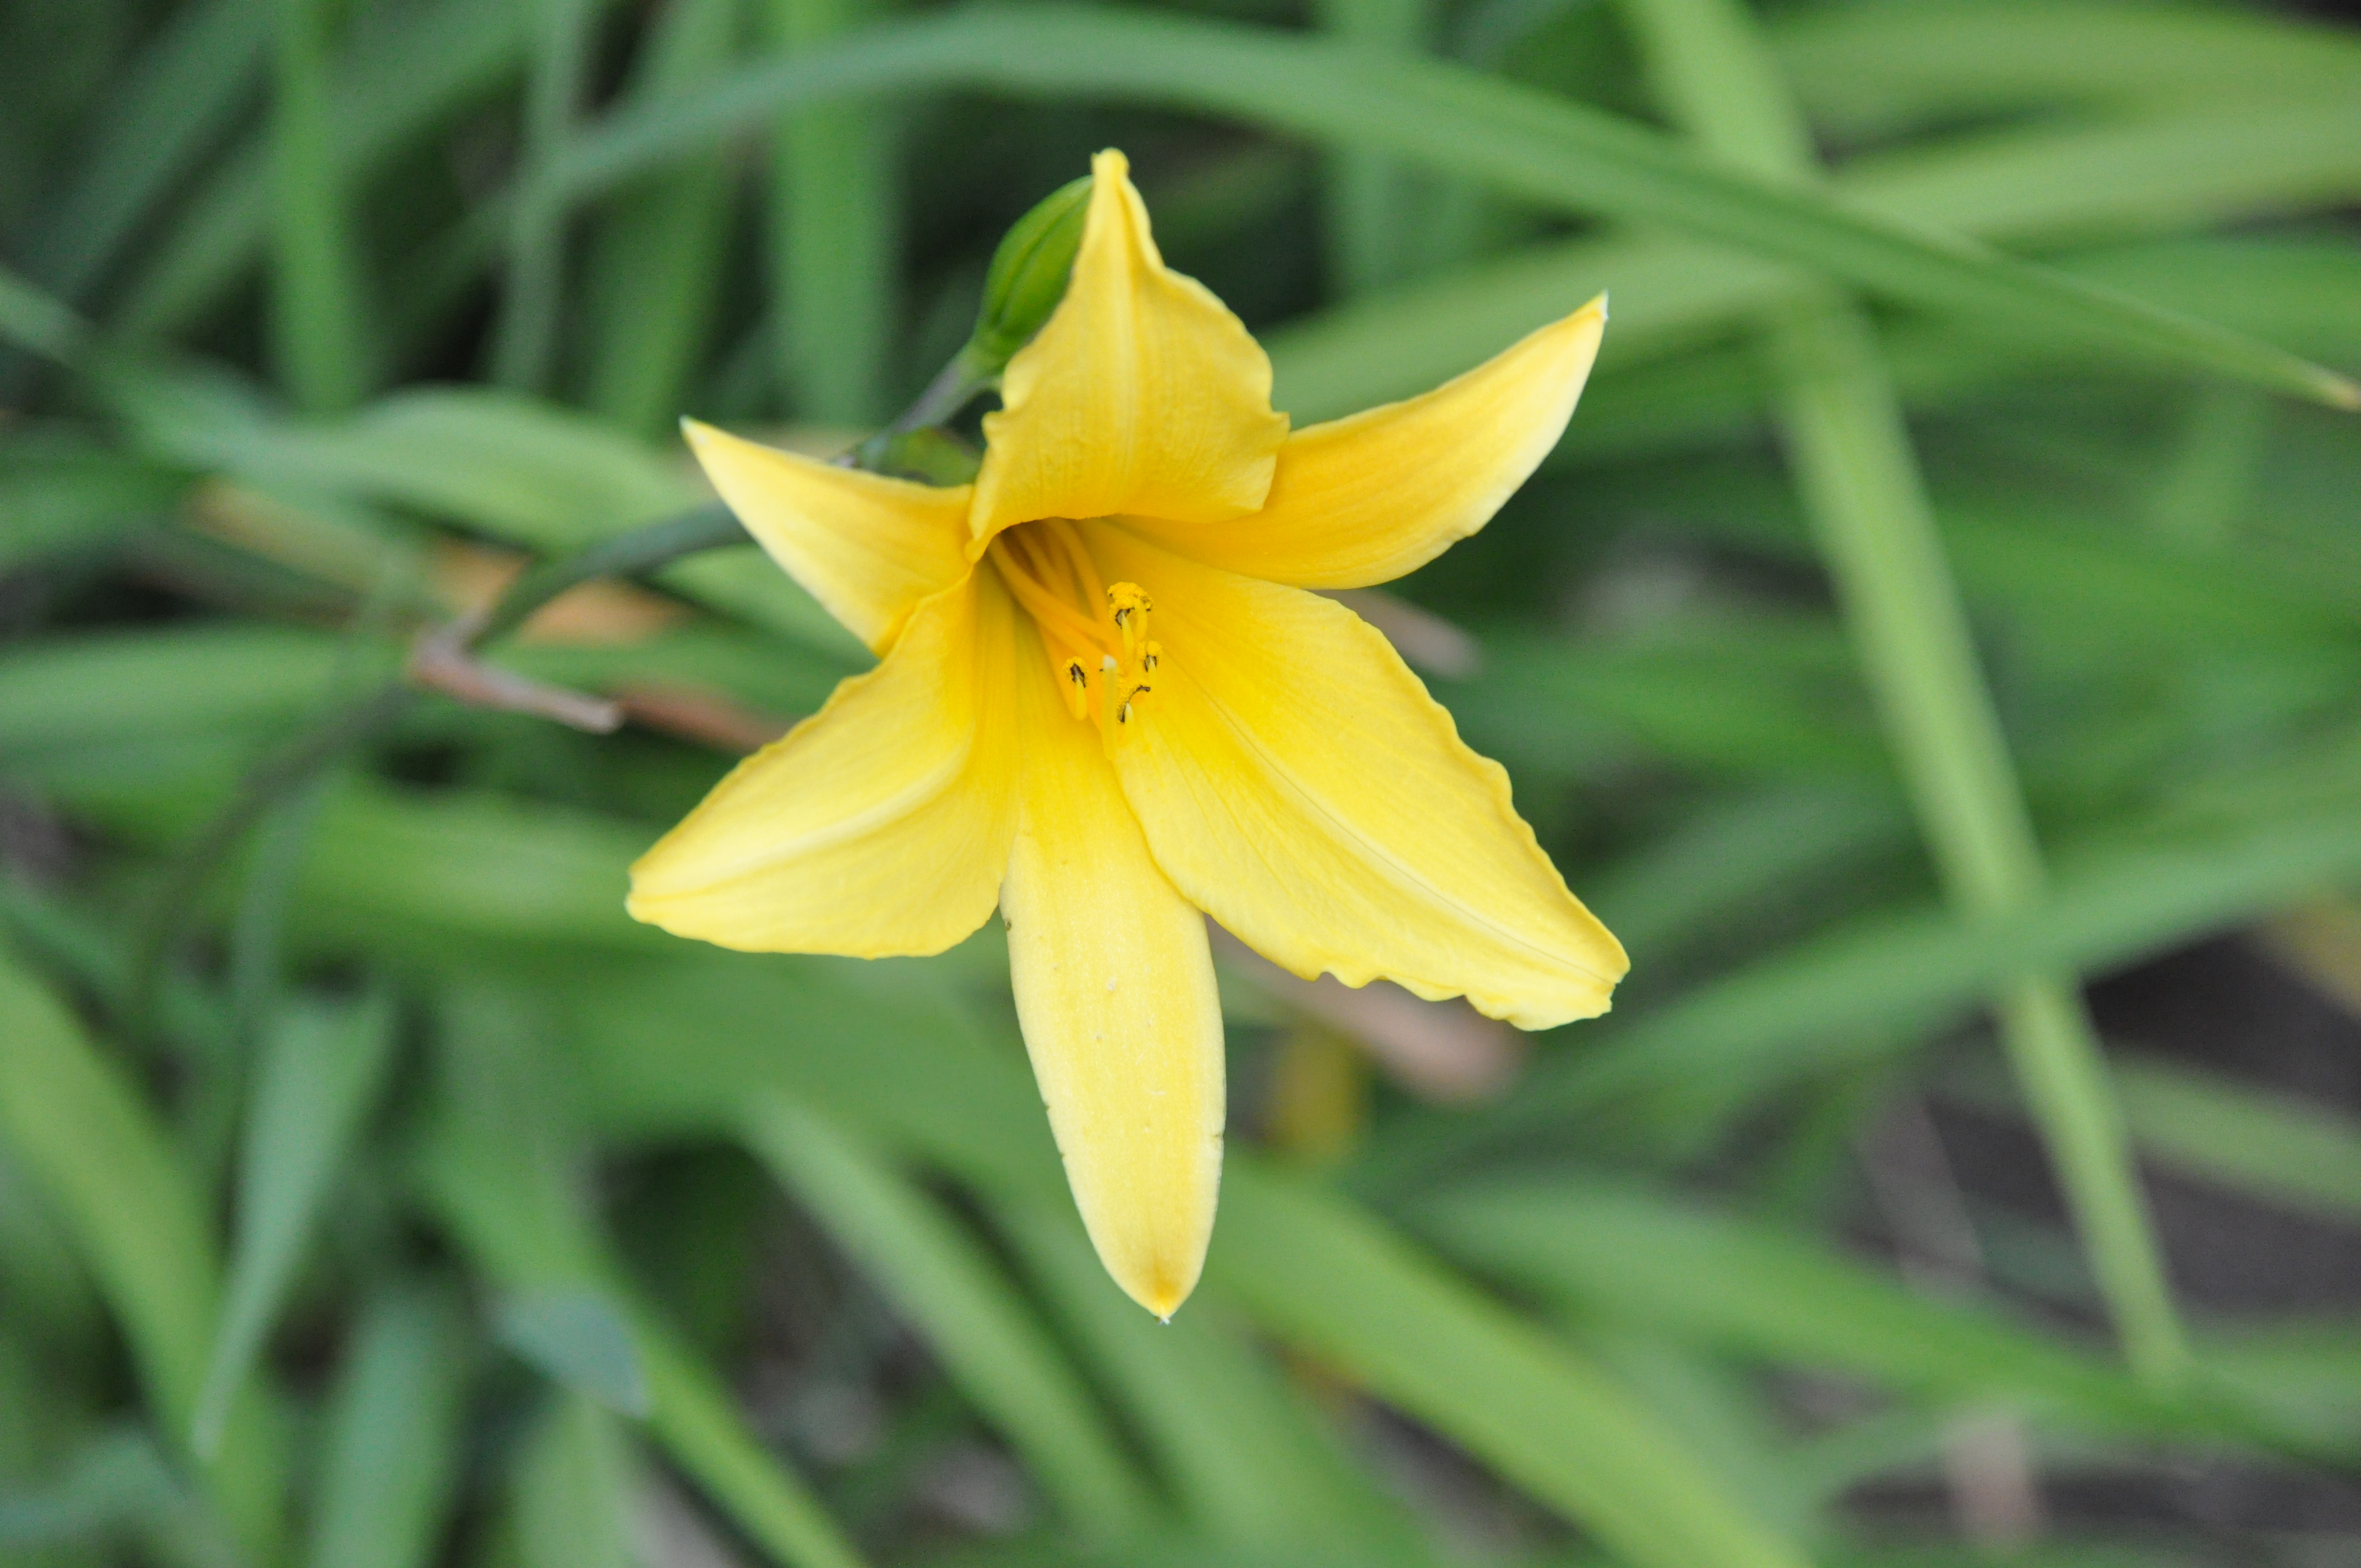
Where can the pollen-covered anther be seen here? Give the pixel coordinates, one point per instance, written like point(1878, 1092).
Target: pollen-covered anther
point(1128, 607)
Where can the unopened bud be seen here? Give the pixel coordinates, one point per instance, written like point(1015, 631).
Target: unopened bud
point(1028, 276)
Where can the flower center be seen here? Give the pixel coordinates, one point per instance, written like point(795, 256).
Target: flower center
point(1096, 636)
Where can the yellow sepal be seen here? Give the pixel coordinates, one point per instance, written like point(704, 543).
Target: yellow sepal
point(1297, 782)
point(868, 547)
point(879, 825)
point(1364, 499)
point(1115, 988)
point(1143, 394)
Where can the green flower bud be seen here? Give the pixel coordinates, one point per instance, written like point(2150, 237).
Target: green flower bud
point(1028, 276)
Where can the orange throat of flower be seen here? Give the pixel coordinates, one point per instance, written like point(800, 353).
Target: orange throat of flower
point(1096, 636)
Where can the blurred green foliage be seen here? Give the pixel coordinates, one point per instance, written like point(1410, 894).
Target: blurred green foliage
point(1906, 628)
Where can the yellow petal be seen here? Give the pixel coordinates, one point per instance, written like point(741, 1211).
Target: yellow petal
point(1115, 988)
point(1296, 782)
point(1143, 394)
point(868, 547)
point(878, 826)
point(1365, 499)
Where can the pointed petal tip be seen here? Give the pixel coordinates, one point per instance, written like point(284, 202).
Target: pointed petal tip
point(1162, 1293)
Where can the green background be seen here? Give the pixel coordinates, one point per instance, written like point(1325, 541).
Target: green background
point(1949, 594)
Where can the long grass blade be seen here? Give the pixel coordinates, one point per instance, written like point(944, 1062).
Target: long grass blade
point(835, 218)
point(987, 1337)
point(403, 78)
point(392, 1451)
point(1371, 201)
point(496, 1168)
point(651, 276)
point(525, 345)
point(1858, 479)
point(1527, 143)
point(86, 1139)
point(174, 103)
point(1336, 1283)
point(318, 317)
point(321, 1072)
point(1247, 1460)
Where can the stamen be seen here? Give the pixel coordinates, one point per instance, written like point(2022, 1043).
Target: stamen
point(1078, 557)
point(1045, 606)
point(1046, 563)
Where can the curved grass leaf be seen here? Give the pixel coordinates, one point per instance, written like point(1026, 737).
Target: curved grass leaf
point(84, 1135)
point(392, 1451)
point(1334, 1282)
point(1247, 1460)
point(986, 1336)
point(1546, 150)
point(580, 1341)
point(1867, 991)
point(1870, 71)
point(494, 1166)
point(2209, 165)
point(320, 1074)
point(176, 99)
point(1667, 1266)
point(573, 1490)
point(32, 318)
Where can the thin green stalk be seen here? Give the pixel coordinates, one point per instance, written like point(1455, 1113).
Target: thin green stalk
point(1846, 439)
point(318, 336)
point(1371, 200)
point(835, 237)
point(525, 347)
point(353, 724)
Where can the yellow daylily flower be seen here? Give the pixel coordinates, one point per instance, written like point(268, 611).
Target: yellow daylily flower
point(1107, 702)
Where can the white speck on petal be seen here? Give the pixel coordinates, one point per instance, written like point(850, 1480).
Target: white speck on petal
point(1111, 980)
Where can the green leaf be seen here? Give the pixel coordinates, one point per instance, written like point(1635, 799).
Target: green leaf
point(1336, 1283)
point(2207, 165)
point(578, 1338)
point(523, 471)
point(1668, 1266)
point(835, 234)
point(2262, 1141)
point(1871, 70)
point(1526, 143)
point(86, 1141)
point(32, 318)
point(574, 1490)
point(165, 112)
point(391, 1451)
point(102, 687)
point(985, 1335)
point(409, 70)
point(2269, 1144)
point(496, 1166)
point(653, 277)
point(1249, 1461)
point(1873, 988)
point(320, 315)
point(321, 1071)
